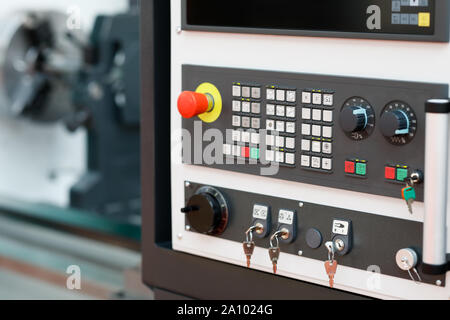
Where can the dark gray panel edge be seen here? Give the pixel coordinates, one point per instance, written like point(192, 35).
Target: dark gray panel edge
point(442, 29)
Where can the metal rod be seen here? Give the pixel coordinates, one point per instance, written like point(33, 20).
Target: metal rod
point(436, 175)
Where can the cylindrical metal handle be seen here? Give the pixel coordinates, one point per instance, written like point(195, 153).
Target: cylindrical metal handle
point(436, 175)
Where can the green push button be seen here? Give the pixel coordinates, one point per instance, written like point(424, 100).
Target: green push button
point(254, 153)
point(402, 174)
point(361, 169)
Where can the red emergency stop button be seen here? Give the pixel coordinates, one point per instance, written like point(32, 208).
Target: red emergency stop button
point(191, 104)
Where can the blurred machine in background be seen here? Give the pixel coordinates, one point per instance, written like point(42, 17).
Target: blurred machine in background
point(69, 101)
point(69, 149)
point(106, 97)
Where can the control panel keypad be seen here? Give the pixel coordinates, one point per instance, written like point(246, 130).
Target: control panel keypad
point(348, 133)
point(280, 110)
point(317, 130)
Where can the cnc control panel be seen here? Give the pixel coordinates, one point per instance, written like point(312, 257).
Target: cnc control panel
point(355, 134)
point(343, 133)
point(323, 160)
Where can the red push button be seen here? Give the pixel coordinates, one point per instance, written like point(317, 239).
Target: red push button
point(389, 173)
point(349, 167)
point(245, 152)
point(191, 104)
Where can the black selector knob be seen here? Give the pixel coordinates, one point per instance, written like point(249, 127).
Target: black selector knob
point(394, 123)
point(207, 212)
point(353, 119)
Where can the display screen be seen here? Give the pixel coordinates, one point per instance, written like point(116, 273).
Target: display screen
point(415, 17)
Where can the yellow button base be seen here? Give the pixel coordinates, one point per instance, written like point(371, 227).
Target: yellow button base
point(209, 88)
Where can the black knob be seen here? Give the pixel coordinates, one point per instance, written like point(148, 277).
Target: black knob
point(353, 119)
point(207, 213)
point(394, 123)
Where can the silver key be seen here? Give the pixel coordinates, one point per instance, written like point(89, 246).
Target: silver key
point(274, 254)
point(249, 247)
point(409, 203)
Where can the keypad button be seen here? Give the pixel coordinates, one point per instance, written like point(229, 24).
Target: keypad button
point(317, 115)
point(402, 174)
point(245, 137)
point(291, 96)
point(236, 151)
point(290, 127)
point(306, 161)
point(349, 167)
point(389, 173)
point(236, 121)
point(256, 123)
point(246, 122)
point(306, 97)
point(270, 110)
point(246, 92)
point(281, 95)
point(255, 138)
point(254, 153)
point(327, 147)
point(256, 93)
point(328, 100)
point(290, 158)
point(290, 112)
point(279, 142)
point(361, 169)
point(245, 152)
point(279, 156)
point(328, 132)
point(227, 149)
point(236, 106)
point(270, 124)
point(306, 113)
point(270, 94)
point(328, 116)
point(270, 140)
point(316, 162)
point(280, 126)
point(281, 111)
point(306, 145)
point(256, 108)
point(327, 164)
point(270, 155)
point(290, 143)
point(317, 98)
point(236, 91)
point(236, 135)
point(316, 130)
point(246, 107)
point(306, 129)
point(316, 146)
